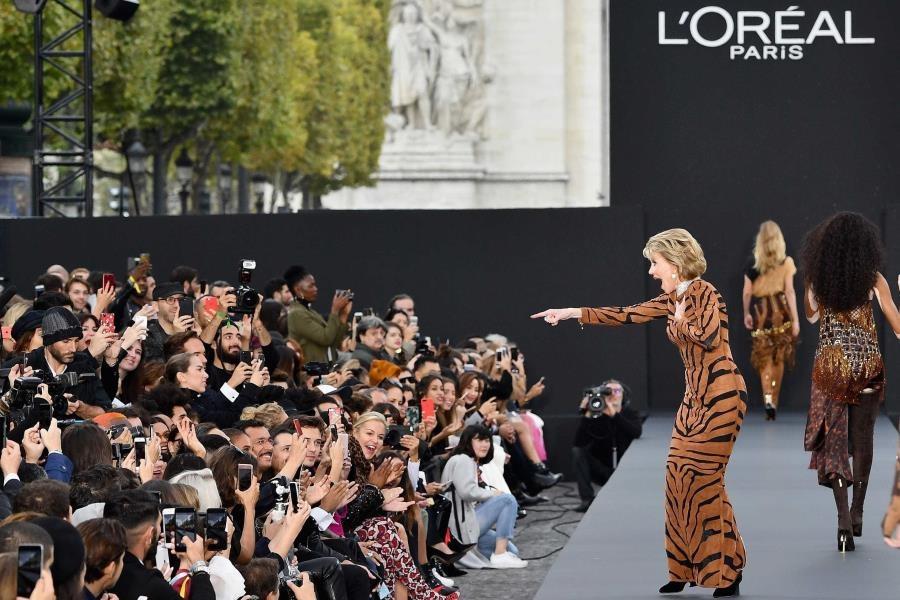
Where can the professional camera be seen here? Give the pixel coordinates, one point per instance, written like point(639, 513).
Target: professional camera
point(25, 388)
point(247, 297)
point(596, 399)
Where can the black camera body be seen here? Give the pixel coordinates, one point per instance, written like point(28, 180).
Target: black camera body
point(317, 369)
point(25, 388)
point(596, 397)
point(247, 297)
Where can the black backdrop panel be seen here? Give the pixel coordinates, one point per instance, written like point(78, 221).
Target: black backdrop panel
point(717, 145)
point(469, 272)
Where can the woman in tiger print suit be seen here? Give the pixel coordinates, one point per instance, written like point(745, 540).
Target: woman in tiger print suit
point(702, 541)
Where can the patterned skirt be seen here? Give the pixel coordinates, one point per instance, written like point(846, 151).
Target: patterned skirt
point(772, 339)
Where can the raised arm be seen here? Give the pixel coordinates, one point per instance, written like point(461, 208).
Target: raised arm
point(657, 308)
point(886, 302)
point(810, 306)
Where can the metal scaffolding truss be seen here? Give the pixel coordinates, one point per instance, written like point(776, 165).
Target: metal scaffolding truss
point(63, 129)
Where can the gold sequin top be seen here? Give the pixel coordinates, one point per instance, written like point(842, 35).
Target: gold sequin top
point(848, 358)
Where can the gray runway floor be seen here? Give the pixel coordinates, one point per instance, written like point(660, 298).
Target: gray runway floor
point(787, 520)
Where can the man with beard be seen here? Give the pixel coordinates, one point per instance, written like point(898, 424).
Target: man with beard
point(138, 512)
point(261, 447)
point(59, 355)
point(226, 371)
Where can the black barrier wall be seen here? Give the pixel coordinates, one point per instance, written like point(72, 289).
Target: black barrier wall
point(470, 272)
point(718, 144)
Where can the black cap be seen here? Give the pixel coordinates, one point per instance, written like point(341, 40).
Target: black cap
point(59, 324)
point(164, 290)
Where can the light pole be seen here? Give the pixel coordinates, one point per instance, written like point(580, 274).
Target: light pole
point(225, 186)
point(184, 170)
point(136, 165)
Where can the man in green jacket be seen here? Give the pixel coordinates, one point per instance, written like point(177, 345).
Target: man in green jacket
point(320, 339)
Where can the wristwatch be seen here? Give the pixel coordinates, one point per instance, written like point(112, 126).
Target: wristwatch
point(201, 566)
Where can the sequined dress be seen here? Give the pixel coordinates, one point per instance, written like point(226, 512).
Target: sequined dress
point(848, 361)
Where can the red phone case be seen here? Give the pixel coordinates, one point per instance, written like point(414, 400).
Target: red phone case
point(109, 280)
point(211, 303)
point(6, 333)
point(427, 405)
point(108, 320)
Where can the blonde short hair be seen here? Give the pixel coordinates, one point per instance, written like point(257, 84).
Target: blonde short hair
point(369, 416)
point(270, 414)
point(680, 248)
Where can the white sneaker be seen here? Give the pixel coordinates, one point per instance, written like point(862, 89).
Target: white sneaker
point(446, 581)
point(507, 560)
point(474, 560)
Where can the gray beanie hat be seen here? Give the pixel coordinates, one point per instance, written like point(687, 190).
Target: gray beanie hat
point(59, 324)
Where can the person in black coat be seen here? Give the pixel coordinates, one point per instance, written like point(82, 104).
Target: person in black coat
point(606, 429)
point(138, 512)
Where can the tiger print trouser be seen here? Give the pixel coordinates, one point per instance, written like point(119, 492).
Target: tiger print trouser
point(702, 540)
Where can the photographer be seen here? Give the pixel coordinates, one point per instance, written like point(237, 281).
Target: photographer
point(320, 339)
point(606, 429)
point(61, 333)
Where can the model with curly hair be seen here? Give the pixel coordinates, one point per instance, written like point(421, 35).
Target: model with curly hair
point(842, 260)
point(770, 312)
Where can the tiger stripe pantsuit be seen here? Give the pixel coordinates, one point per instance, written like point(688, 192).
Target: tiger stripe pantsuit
point(702, 540)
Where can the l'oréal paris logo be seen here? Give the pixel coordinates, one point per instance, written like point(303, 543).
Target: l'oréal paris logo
point(758, 35)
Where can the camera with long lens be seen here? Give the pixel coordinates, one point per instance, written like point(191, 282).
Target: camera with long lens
point(247, 297)
point(24, 390)
point(596, 399)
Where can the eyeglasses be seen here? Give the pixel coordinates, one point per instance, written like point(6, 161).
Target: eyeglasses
point(173, 299)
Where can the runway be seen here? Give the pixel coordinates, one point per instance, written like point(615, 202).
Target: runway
point(787, 520)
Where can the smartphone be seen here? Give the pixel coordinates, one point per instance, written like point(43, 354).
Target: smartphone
point(117, 454)
point(245, 477)
point(185, 525)
point(215, 533)
point(297, 427)
point(369, 312)
point(6, 333)
point(3, 426)
point(295, 495)
point(168, 522)
point(38, 290)
point(427, 408)
point(211, 303)
point(31, 561)
point(140, 320)
point(43, 412)
point(413, 417)
point(357, 316)
point(186, 307)
point(334, 416)
point(414, 320)
point(468, 368)
point(109, 281)
point(514, 354)
point(246, 357)
point(344, 439)
point(108, 320)
point(140, 450)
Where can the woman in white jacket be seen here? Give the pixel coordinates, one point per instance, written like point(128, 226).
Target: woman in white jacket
point(481, 513)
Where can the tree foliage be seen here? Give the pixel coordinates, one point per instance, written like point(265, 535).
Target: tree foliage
point(293, 87)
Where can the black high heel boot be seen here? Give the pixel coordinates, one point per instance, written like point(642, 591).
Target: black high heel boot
point(731, 591)
point(845, 541)
point(856, 507)
point(673, 587)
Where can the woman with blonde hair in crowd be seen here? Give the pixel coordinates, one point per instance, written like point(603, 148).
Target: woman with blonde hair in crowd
point(770, 311)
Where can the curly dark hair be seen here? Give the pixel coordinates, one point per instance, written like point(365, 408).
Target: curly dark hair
point(841, 258)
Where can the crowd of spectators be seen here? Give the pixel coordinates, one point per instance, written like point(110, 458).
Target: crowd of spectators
point(165, 437)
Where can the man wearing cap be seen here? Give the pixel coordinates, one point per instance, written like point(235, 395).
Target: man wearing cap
point(61, 333)
point(370, 341)
point(167, 322)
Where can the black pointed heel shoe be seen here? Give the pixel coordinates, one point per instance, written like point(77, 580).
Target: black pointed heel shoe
point(731, 591)
point(845, 541)
point(673, 587)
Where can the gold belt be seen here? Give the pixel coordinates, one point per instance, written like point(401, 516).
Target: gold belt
point(772, 330)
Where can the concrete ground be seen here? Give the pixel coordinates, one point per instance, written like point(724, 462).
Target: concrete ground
point(545, 529)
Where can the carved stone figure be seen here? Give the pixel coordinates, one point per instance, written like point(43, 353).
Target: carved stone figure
point(413, 56)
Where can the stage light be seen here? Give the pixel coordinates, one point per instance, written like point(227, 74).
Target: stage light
point(30, 6)
point(120, 10)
